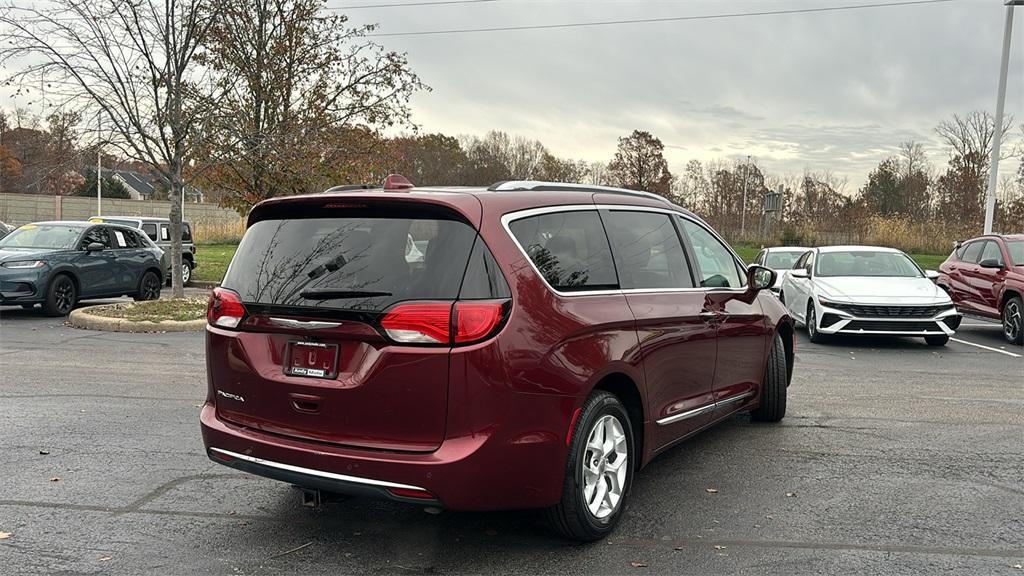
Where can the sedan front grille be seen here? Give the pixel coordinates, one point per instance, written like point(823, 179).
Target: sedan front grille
point(863, 311)
point(883, 326)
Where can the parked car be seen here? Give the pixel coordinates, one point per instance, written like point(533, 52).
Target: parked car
point(5, 229)
point(159, 231)
point(781, 259)
point(56, 264)
point(985, 276)
point(554, 339)
point(867, 290)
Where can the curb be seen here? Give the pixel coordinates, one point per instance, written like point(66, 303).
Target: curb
point(204, 284)
point(81, 318)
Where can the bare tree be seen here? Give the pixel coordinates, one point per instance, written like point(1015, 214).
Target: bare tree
point(971, 136)
point(130, 63)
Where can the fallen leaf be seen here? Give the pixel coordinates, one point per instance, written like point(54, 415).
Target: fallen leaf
point(5, 535)
point(54, 479)
point(1017, 566)
point(719, 547)
point(638, 565)
point(105, 558)
point(680, 547)
point(44, 452)
point(711, 490)
point(790, 494)
point(768, 516)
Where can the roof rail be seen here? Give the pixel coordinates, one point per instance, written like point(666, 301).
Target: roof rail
point(538, 186)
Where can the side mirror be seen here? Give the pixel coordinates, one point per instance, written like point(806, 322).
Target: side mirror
point(799, 273)
point(760, 278)
point(931, 275)
point(95, 247)
point(990, 263)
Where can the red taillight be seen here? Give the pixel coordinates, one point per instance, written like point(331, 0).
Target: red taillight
point(420, 323)
point(224, 309)
point(475, 320)
point(433, 322)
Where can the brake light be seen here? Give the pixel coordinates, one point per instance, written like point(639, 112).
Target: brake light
point(443, 322)
point(420, 323)
point(224, 308)
point(475, 320)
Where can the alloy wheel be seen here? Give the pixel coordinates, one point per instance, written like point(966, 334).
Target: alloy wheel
point(64, 295)
point(151, 287)
point(605, 466)
point(812, 321)
point(186, 274)
point(1012, 321)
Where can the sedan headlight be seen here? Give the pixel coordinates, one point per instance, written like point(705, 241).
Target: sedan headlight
point(21, 264)
point(826, 302)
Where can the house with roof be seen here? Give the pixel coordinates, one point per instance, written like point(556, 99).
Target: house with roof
point(145, 186)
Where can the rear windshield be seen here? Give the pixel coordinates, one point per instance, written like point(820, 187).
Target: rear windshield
point(781, 260)
point(355, 263)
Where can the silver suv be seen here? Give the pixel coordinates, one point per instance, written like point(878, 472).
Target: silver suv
point(159, 231)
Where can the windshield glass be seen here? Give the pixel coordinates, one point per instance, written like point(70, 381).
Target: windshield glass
point(1016, 250)
point(351, 263)
point(866, 263)
point(781, 260)
point(53, 236)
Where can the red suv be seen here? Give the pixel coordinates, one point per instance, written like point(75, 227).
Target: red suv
point(529, 345)
point(985, 276)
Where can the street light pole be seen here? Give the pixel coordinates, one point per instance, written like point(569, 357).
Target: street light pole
point(993, 174)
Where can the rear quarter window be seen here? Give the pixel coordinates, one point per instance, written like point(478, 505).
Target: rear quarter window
point(569, 249)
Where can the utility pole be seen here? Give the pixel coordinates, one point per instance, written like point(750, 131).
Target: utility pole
point(99, 166)
point(743, 211)
point(993, 175)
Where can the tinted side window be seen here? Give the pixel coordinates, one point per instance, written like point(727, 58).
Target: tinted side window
point(132, 239)
point(118, 238)
point(186, 232)
point(569, 248)
point(715, 261)
point(150, 230)
point(991, 252)
point(647, 250)
point(96, 234)
point(972, 252)
point(483, 278)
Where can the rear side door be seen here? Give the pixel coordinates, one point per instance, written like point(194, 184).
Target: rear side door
point(796, 299)
point(742, 332)
point(675, 330)
point(985, 279)
point(98, 271)
point(131, 258)
point(962, 272)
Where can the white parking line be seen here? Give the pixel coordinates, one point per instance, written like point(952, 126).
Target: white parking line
point(987, 348)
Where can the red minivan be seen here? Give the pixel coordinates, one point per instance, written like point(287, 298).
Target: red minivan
point(528, 345)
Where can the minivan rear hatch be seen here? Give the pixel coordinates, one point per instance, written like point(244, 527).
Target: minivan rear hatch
point(316, 278)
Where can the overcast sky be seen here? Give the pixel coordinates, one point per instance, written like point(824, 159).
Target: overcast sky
point(835, 91)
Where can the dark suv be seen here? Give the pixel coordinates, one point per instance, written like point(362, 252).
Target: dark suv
point(985, 276)
point(540, 345)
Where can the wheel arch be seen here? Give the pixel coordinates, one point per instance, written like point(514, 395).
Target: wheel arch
point(1007, 294)
point(151, 268)
point(68, 271)
point(786, 331)
point(627, 391)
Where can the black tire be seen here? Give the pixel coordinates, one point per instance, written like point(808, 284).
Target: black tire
point(776, 383)
point(936, 340)
point(61, 296)
point(571, 517)
point(812, 326)
point(186, 272)
point(149, 287)
point(1013, 320)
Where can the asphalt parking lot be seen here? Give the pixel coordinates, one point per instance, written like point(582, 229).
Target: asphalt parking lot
point(894, 458)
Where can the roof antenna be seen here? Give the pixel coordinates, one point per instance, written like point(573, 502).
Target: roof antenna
point(397, 182)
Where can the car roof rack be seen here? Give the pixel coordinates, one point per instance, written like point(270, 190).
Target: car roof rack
point(348, 188)
point(539, 186)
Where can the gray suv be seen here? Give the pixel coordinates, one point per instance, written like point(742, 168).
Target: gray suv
point(159, 231)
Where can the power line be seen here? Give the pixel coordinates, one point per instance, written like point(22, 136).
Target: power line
point(655, 20)
point(402, 5)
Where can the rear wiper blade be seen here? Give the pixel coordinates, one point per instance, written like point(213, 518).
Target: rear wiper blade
point(329, 294)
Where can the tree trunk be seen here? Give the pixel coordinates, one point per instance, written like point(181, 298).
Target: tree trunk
point(176, 192)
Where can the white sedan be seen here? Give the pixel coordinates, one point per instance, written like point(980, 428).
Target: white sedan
point(870, 291)
point(780, 259)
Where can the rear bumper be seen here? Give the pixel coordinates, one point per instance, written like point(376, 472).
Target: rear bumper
point(495, 469)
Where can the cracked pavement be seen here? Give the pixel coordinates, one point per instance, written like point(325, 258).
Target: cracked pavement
point(894, 458)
